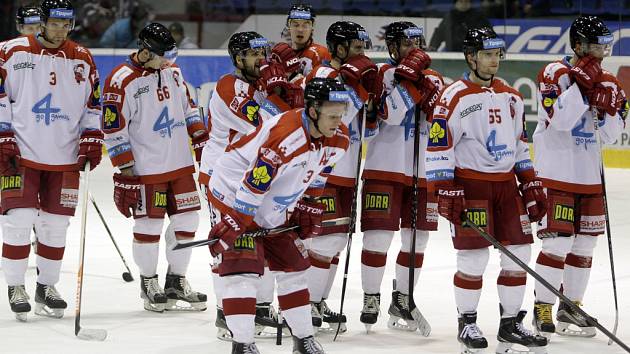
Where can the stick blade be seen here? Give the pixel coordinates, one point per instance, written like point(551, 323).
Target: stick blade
point(92, 334)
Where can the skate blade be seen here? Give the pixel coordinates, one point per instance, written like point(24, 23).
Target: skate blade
point(401, 324)
point(181, 305)
point(331, 328)
point(21, 316)
point(513, 348)
point(568, 329)
point(92, 334)
point(266, 332)
point(547, 335)
point(224, 334)
point(465, 350)
point(154, 307)
point(43, 310)
point(368, 327)
point(421, 323)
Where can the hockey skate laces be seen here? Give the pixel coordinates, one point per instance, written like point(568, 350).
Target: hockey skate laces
point(523, 330)
point(250, 349)
point(311, 346)
point(473, 331)
point(52, 293)
point(153, 287)
point(185, 286)
point(371, 303)
point(19, 295)
point(544, 312)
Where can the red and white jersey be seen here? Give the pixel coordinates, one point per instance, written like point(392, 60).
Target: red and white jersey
point(390, 153)
point(48, 97)
point(567, 154)
point(148, 117)
point(477, 132)
point(345, 171)
point(311, 56)
point(236, 109)
point(264, 174)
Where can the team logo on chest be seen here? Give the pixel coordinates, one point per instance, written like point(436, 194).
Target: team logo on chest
point(79, 73)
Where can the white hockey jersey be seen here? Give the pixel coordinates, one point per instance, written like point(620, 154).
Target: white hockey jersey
point(48, 97)
point(567, 155)
point(264, 174)
point(236, 109)
point(390, 152)
point(345, 171)
point(148, 117)
point(477, 132)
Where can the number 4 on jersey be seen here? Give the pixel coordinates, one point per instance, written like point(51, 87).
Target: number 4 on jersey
point(43, 109)
point(163, 123)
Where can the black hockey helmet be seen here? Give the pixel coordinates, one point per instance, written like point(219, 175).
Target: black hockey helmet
point(158, 40)
point(590, 30)
point(242, 41)
point(301, 12)
point(482, 38)
point(403, 30)
point(325, 89)
point(61, 9)
point(343, 32)
point(28, 15)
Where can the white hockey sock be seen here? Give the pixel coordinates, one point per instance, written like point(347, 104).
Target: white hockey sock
point(15, 251)
point(577, 271)
point(178, 260)
point(467, 294)
point(402, 271)
point(51, 241)
point(372, 271)
point(317, 275)
point(551, 270)
point(146, 257)
point(511, 294)
point(218, 287)
point(334, 264)
point(266, 287)
point(239, 306)
point(293, 297)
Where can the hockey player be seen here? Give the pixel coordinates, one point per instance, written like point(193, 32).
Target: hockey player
point(148, 117)
point(253, 93)
point(28, 21)
point(49, 129)
point(302, 54)
point(265, 175)
point(387, 183)
point(476, 146)
point(577, 101)
point(346, 42)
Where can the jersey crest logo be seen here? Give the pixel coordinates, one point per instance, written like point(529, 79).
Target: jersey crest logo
point(437, 134)
point(250, 110)
point(79, 73)
point(260, 177)
point(111, 119)
point(96, 94)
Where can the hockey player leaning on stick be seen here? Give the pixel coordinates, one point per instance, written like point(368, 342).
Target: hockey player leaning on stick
point(476, 146)
point(265, 175)
point(49, 128)
point(148, 117)
point(574, 95)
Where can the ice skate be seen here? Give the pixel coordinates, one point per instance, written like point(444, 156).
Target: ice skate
point(307, 345)
point(18, 299)
point(514, 338)
point(571, 323)
point(371, 309)
point(330, 319)
point(244, 348)
point(223, 332)
point(180, 295)
point(316, 317)
point(401, 318)
point(48, 302)
point(469, 334)
point(266, 321)
point(154, 297)
point(542, 320)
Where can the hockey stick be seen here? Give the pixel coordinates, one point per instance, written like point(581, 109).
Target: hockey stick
point(590, 320)
point(608, 233)
point(84, 333)
point(353, 214)
point(423, 325)
point(125, 275)
point(260, 233)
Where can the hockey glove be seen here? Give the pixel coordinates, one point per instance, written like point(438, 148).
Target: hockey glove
point(451, 203)
point(308, 214)
point(586, 72)
point(359, 69)
point(9, 153)
point(294, 96)
point(198, 142)
point(604, 99)
point(535, 199)
point(283, 53)
point(126, 193)
point(90, 148)
point(430, 94)
point(410, 67)
point(273, 76)
point(226, 232)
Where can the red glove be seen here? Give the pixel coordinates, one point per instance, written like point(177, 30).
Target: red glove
point(226, 231)
point(198, 142)
point(451, 203)
point(126, 193)
point(359, 69)
point(272, 76)
point(9, 153)
point(535, 199)
point(294, 96)
point(90, 148)
point(411, 66)
point(605, 99)
point(430, 94)
point(308, 214)
point(283, 53)
point(586, 72)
